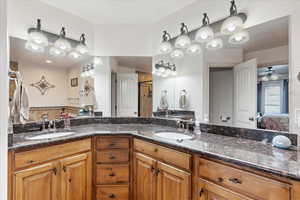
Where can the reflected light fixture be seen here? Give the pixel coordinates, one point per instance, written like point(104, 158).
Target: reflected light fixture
point(164, 69)
point(205, 33)
point(74, 55)
point(215, 44)
point(166, 46)
point(56, 52)
point(97, 60)
point(33, 47)
point(37, 36)
point(239, 37)
point(183, 41)
point(233, 23)
point(62, 43)
point(194, 48)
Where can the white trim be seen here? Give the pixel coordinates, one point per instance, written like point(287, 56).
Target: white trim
point(3, 99)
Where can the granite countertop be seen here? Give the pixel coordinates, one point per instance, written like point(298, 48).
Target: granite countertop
point(245, 152)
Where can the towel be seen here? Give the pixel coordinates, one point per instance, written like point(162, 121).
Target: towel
point(183, 103)
point(20, 104)
point(164, 105)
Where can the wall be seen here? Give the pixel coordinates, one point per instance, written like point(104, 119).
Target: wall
point(73, 93)
point(3, 99)
point(56, 96)
point(277, 55)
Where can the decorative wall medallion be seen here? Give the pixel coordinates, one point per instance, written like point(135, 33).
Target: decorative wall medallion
point(43, 85)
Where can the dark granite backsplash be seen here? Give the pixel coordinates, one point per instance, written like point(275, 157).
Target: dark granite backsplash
point(252, 134)
point(246, 133)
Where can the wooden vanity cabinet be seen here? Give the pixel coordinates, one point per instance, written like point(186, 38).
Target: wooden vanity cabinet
point(65, 175)
point(156, 179)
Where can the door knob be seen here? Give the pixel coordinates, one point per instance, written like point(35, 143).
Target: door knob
point(251, 119)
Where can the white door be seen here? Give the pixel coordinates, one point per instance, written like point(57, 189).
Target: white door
point(221, 97)
point(245, 91)
point(127, 95)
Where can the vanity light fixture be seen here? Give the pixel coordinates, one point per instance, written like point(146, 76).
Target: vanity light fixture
point(183, 41)
point(87, 70)
point(81, 47)
point(205, 33)
point(62, 43)
point(165, 47)
point(164, 69)
point(239, 37)
point(33, 47)
point(234, 23)
point(36, 35)
point(215, 44)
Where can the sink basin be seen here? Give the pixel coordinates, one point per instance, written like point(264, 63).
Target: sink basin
point(50, 135)
point(173, 136)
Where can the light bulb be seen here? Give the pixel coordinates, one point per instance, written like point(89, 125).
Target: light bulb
point(174, 73)
point(165, 47)
point(194, 49)
point(168, 71)
point(56, 52)
point(162, 69)
point(74, 55)
point(31, 46)
point(98, 61)
point(177, 53)
point(274, 77)
point(204, 34)
point(82, 49)
point(38, 38)
point(232, 25)
point(239, 37)
point(214, 44)
point(164, 75)
point(63, 44)
point(183, 41)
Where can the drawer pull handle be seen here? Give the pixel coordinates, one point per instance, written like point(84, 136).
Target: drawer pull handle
point(201, 192)
point(112, 196)
point(155, 150)
point(152, 169)
point(112, 144)
point(55, 171)
point(235, 180)
point(112, 174)
point(64, 168)
point(157, 172)
point(30, 161)
point(220, 179)
point(112, 157)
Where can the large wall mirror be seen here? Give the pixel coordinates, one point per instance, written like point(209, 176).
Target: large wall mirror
point(254, 93)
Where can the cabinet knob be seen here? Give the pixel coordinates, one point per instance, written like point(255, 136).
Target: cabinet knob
point(112, 196)
point(112, 174)
point(156, 150)
point(112, 157)
point(201, 192)
point(112, 144)
point(30, 161)
point(220, 179)
point(55, 170)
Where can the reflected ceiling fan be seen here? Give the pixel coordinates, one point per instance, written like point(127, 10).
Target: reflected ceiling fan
point(270, 75)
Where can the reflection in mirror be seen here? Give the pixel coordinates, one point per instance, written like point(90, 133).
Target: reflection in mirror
point(43, 86)
point(252, 89)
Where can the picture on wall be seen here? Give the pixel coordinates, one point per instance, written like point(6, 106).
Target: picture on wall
point(74, 82)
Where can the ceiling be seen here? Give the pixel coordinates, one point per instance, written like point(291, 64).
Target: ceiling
point(18, 53)
point(120, 11)
point(139, 63)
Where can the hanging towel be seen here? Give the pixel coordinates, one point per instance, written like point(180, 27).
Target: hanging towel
point(20, 103)
point(183, 100)
point(163, 104)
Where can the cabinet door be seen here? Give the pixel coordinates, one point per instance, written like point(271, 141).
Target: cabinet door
point(172, 183)
point(144, 177)
point(211, 191)
point(76, 177)
point(36, 183)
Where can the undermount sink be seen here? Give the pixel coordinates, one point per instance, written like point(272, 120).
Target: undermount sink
point(50, 135)
point(173, 136)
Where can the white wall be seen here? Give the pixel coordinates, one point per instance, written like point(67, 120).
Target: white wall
point(56, 96)
point(123, 40)
point(22, 14)
point(3, 99)
point(277, 55)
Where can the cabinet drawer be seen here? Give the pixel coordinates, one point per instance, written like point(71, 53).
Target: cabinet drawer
point(182, 160)
point(112, 156)
point(110, 192)
point(112, 143)
point(109, 174)
point(243, 182)
point(27, 158)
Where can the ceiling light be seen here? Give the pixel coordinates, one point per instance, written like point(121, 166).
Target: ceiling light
point(214, 44)
point(274, 77)
point(74, 55)
point(81, 47)
point(62, 43)
point(165, 47)
point(56, 52)
point(48, 61)
point(234, 23)
point(239, 37)
point(183, 41)
point(31, 46)
point(37, 36)
point(97, 60)
point(194, 48)
point(177, 53)
point(205, 33)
